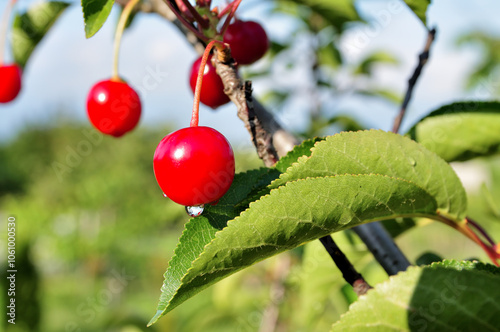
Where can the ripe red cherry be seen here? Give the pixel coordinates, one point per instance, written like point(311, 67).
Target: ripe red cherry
point(212, 90)
point(10, 82)
point(248, 41)
point(113, 107)
point(194, 165)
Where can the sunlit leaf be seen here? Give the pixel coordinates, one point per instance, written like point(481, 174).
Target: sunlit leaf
point(447, 296)
point(95, 13)
point(419, 7)
point(338, 183)
point(461, 131)
point(30, 27)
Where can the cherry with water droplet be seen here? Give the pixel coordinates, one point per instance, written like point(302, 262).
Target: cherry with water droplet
point(194, 165)
point(10, 82)
point(113, 107)
point(248, 41)
point(212, 92)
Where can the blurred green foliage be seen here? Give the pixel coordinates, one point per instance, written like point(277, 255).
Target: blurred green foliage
point(484, 75)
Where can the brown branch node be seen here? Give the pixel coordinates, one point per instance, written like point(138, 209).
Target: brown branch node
point(240, 94)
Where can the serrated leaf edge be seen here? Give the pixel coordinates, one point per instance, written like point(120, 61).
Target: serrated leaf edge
point(232, 221)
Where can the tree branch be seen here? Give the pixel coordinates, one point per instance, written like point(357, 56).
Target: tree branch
point(422, 60)
point(251, 113)
point(349, 273)
point(382, 246)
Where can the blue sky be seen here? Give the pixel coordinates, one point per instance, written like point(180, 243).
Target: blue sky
point(155, 59)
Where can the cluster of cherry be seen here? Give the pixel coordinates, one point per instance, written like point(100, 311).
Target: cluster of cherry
point(194, 165)
point(114, 107)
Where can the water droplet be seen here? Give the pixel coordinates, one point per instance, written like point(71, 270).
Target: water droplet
point(195, 211)
point(165, 195)
point(413, 162)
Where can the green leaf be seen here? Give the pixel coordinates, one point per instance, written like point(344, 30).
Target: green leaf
point(29, 28)
point(336, 13)
point(381, 92)
point(95, 13)
point(288, 217)
point(329, 55)
point(261, 186)
point(447, 296)
point(275, 48)
point(346, 123)
point(379, 152)
point(428, 258)
point(380, 57)
point(332, 186)
point(486, 69)
point(303, 149)
point(461, 131)
point(419, 7)
point(396, 227)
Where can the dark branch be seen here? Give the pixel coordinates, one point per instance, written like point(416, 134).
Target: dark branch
point(383, 248)
point(349, 273)
point(422, 60)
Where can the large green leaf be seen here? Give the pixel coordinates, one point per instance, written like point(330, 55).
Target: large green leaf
point(95, 13)
point(330, 193)
point(446, 296)
point(419, 7)
point(30, 27)
point(379, 152)
point(461, 131)
point(290, 216)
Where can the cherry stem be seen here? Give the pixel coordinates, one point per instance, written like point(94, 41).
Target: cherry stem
point(185, 22)
point(118, 35)
point(199, 81)
point(491, 249)
point(226, 9)
point(201, 21)
point(234, 7)
point(4, 28)
point(481, 230)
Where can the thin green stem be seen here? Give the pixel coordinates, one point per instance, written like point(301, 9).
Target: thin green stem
point(199, 81)
point(118, 36)
point(491, 249)
point(4, 28)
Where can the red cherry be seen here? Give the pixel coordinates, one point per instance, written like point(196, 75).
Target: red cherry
point(194, 165)
point(212, 90)
point(248, 41)
point(10, 82)
point(113, 107)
